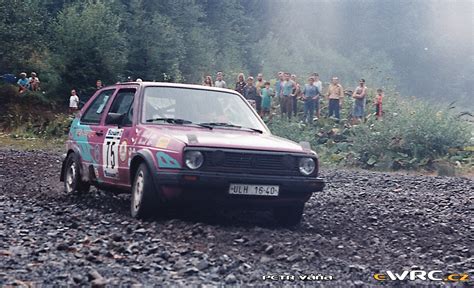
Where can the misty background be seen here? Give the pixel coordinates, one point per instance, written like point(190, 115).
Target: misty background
point(420, 48)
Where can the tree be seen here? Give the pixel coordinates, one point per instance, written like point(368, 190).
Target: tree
point(88, 44)
point(21, 34)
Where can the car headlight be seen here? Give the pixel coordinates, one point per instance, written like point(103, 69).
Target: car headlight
point(307, 166)
point(193, 159)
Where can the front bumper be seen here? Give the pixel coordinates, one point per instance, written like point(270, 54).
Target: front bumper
point(213, 187)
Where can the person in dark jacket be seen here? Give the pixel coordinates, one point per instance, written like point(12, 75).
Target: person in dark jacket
point(240, 84)
point(250, 93)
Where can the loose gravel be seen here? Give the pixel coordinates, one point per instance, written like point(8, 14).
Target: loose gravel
point(363, 223)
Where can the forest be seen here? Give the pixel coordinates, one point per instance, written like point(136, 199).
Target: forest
point(416, 51)
point(420, 48)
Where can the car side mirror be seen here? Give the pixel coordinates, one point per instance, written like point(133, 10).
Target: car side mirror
point(114, 119)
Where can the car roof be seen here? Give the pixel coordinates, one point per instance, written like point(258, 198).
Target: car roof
point(175, 85)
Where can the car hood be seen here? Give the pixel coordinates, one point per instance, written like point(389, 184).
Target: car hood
point(228, 138)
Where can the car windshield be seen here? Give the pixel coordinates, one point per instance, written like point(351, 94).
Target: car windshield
point(186, 105)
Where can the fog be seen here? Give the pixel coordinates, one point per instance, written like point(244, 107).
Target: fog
point(422, 48)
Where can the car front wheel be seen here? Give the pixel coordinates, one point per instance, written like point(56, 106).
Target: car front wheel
point(289, 215)
point(143, 194)
point(73, 180)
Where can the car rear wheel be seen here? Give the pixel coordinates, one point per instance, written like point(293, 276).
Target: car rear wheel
point(73, 180)
point(144, 198)
point(289, 215)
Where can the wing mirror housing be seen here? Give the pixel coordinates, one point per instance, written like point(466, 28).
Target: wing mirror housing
point(114, 119)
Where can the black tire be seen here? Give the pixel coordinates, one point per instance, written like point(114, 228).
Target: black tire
point(289, 215)
point(72, 176)
point(144, 196)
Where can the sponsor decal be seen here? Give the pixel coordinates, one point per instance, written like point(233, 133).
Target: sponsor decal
point(81, 138)
point(163, 142)
point(166, 161)
point(192, 139)
point(123, 151)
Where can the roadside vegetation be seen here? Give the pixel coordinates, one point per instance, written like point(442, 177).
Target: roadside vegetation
point(412, 135)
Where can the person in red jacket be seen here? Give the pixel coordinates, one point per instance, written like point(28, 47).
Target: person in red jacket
point(378, 103)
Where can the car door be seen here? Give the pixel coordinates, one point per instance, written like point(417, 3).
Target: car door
point(89, 132)
point(118, 136)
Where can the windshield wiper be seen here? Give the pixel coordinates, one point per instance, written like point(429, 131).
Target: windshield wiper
point(178, 121)
point(230, 125)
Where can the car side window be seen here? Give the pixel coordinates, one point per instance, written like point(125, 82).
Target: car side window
point(123, 104)
point(96, 109)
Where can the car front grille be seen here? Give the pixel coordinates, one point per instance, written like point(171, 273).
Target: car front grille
point(251, 163)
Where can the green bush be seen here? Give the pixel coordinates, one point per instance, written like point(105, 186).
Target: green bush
point(412, 134)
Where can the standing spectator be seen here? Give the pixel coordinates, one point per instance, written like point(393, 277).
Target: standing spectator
point(266, 93)
point(278, 90)
point(250, 93)
point(98, 84)
point(220, 83)
point(319, 84)
point(260, 83)
point(335, 95)
point(240, 84)
point(73, 102)
point(287, 92)
point(34, 82)
point(378, 104)
point(23, 82)
point(311, 100)
point(295, 95)
point(207, 81)
point(359, 95)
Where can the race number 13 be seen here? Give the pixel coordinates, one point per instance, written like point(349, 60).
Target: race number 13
point(110, 152)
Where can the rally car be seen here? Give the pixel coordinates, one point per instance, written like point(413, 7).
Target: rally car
point(168, 143)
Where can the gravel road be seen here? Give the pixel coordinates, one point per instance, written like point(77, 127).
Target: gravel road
point(363, 223)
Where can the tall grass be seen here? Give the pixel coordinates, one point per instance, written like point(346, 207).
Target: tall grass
point(412, 134)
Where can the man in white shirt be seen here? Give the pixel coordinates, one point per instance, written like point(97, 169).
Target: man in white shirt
point(220, 83)
point(73, 102)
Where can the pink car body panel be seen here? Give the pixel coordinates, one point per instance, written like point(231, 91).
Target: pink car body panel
point(106, 151)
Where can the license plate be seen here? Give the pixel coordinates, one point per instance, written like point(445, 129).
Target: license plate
point(259, 190)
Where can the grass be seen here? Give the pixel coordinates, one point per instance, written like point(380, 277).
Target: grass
point(10, 141)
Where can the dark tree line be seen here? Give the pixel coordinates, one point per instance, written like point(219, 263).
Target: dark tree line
point(71, 43)
point(421, 47)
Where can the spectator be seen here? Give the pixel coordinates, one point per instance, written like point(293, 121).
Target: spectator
point(378, 104)
point(266, 93)
point(73, 102)
point(278, 90)
point(288, 87)
point(260, 83)
point(207, 81)
point(220, 83)
point(250, 93)
point(34, 82)
point(318, 84)
point(359, 95)
point(296, 94)
point(311, 100)
point(98, 84)
point(240, 84)
point(23, 82)
point(335, 95)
